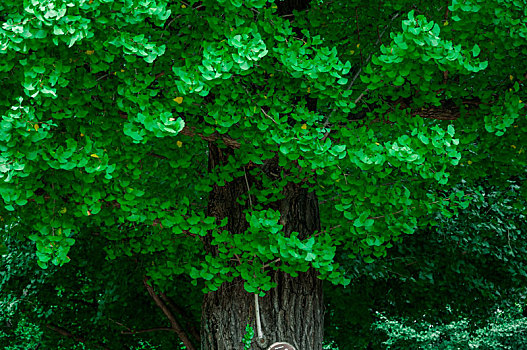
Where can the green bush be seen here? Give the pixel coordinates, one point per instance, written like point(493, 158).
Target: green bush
point(507, 329)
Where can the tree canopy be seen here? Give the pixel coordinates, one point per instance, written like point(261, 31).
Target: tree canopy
point(391, 113)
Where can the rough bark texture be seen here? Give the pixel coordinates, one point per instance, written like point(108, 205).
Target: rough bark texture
point(293, 312)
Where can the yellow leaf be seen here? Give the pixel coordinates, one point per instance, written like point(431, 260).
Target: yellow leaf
point(358, 45)
point(308, 89)
point(178, 100)
point(352, 52)
point(469, 162)
point(82, 135)
point(90, 52)
point(446, 23)
point(94, 155)
point(183, 6)
point(513, 146)
point(63, 211)
point(179, 143)
point(122, 70)
point(36, 127)
point(304, 126)
point(378, 144)
point(88, 212)
point(511, 77)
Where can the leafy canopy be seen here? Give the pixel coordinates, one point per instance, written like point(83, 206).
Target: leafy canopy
point(108, 108)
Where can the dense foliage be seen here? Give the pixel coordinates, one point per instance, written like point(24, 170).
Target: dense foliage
point(462, 281)
point(405, 114)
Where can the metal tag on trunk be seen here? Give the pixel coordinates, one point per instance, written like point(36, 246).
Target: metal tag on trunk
point(281, 346)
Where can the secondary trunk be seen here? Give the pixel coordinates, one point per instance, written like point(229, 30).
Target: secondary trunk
point(293, 312)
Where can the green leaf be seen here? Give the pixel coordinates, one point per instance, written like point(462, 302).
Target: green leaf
point(476, 50)
point(368, 259)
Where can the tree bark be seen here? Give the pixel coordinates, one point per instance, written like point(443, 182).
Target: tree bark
point(292, 312)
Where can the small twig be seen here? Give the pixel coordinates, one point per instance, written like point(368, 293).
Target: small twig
point(248, 188)
point(268, 116)
point(509, 240)
point(400, 211)
point(358, 32)
point(369, 57)
point(361, 96)
point(326, 230)
point(72, 336)
point(156, 155)
point(149, 330)
point(101, 77)
point(383, 216)
point(120, 324)
point(269, 263)
point(168, 25)
point(326, 122)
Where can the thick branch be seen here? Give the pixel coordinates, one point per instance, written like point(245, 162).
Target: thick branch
point(173, 322)
point(70, 335)
point(438, 113)
point(190, 131)
point(175, 308)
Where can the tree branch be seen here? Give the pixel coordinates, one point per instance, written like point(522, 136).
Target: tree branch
point(149, 330)
point(177, 309)
point(326, 122)
point(190, 131)
point(173, 322)
point(70, 335)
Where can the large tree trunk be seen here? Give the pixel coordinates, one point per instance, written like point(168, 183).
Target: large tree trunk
point(293, 312)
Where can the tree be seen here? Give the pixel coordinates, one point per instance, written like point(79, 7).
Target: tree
point(248, 145)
